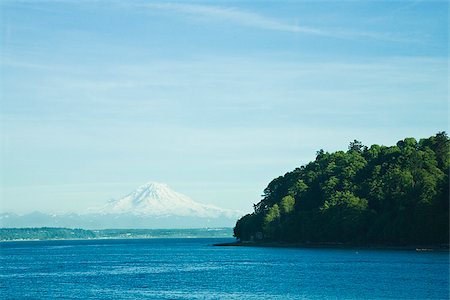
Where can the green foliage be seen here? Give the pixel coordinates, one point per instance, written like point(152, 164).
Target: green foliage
point(247, 226)
point(378, 194)
point(356, 146)
point(271, 221)
point(287, 204)
point(346, 200)
point(272, 215)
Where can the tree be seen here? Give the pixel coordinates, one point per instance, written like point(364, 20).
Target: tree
point(378, 194)
point(355, 146)
point(271, 221)
point(287, 204)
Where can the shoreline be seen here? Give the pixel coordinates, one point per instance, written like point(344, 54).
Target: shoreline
point(111, 238)
point(274, 244)
point(62, 233)
point(267, 244)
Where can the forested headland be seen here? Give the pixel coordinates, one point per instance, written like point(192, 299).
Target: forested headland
point(392, 195)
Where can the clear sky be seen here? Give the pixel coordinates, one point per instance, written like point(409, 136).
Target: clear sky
point(213, 98)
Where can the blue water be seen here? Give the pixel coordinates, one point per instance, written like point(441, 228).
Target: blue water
point(193, 269)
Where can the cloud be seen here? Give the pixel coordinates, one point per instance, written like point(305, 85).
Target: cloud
point(236, 16)
point(240, 17)
point(247, 18)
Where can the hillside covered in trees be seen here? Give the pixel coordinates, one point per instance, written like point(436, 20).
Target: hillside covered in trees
point(382, 195)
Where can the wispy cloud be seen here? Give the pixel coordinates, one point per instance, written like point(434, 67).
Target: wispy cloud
point(235, 15)
point(216, 13)
point(252, 19)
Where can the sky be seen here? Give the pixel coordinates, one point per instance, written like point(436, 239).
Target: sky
point(214, 98)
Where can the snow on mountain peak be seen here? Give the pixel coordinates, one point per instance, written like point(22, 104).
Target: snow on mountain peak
point(158, 199)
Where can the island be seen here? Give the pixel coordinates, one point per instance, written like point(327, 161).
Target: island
point(379, 195)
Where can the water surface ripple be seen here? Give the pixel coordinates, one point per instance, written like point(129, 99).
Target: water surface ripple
point(193, 269)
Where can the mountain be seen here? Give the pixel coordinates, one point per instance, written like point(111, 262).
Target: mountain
point(152, 205)
point(157, 199)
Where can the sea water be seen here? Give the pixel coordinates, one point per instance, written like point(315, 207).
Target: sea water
point(194, 269)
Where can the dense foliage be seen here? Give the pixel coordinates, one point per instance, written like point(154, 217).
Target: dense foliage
point(376, 194)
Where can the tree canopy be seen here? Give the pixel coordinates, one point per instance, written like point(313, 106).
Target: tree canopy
point(377, 194)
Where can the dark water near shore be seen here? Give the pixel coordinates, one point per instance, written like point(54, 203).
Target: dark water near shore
point(193, 269)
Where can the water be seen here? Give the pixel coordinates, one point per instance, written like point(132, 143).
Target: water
point(193, 269)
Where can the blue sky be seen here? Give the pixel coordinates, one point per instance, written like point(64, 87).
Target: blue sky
point(214, 98)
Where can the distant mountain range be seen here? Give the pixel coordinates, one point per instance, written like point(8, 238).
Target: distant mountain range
point(152, 205)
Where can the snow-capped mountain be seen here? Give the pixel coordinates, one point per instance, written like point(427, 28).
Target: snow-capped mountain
point(152, 205)
point(158, 199)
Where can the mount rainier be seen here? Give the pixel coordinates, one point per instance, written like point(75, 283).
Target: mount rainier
point(157, 199)
point(152, 205)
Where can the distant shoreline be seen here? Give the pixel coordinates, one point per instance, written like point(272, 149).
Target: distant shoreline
point(274, 244)
point(114, 238)
point(60, 234)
